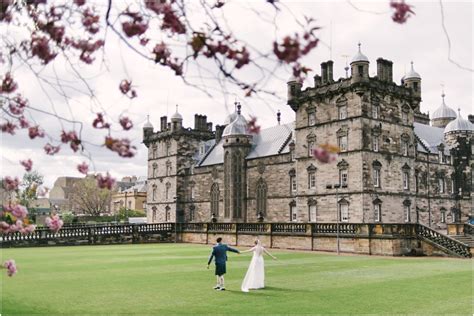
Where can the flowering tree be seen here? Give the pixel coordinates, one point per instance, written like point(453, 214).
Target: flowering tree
point(183, 37)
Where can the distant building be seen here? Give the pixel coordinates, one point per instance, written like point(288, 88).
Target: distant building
point(131, 194)
point(7, 197)
point(393, 166)
point(61, 194)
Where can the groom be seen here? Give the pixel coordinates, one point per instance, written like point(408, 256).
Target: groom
point(219, 251)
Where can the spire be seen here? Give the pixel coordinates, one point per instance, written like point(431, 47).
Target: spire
point(278, 117)
point(359, 56)
point(238, 107)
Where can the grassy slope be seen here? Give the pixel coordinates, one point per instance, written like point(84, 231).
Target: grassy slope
point(171, 279)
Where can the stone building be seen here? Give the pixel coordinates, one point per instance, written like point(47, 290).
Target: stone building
point(393, 167)
point(131, 197)
point(60, 195)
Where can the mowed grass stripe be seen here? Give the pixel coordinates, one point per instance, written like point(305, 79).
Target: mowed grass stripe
point(172, 279)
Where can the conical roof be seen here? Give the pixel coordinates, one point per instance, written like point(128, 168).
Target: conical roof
point(359, 57)
point(443, 111)
point(459, 124)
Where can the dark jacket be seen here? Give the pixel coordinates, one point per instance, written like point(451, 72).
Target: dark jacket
point(219, 251)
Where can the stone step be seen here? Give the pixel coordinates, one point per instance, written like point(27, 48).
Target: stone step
point(465, 239)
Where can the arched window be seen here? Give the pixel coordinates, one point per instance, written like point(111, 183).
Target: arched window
point(153, 194)
point(154, 214)
point(293, 211)
point(443, 215)
point(227, 177)
point(377, 166)
point(312, 210)
point(377, 210)
point(215, 200)
point(154, 149)
point(167, 214)
point(168, 168)
point(343, 210)
point(155, 170)
point(192, 209)
point(237, 184)
point(261, 197)
point(167, 193)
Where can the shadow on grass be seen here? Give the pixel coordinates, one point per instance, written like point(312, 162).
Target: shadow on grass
point(267, 291)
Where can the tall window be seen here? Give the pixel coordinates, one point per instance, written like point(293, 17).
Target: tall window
point(441, 185)
point(342, 142)
point(261, 197)
point(440, 156)
point(154, 214)
point(405, 147)
point(167, 190)
point(293, 212)
point(375, 143)
point(311, 179)
point(443, 215)
point(167, 148)
point(375, 111)
point(215, 199)
point(405, 117)
point(344, 211)
point(342, 112)
point(378, 212)
point(154, 149)
point(360, 70)
point(310, 147)
point(311, 119)
point(452, 186)
point(293, 185)
point(453, 216)
point(227, 177)
point(155, 170)
point(191, 213)
point(167, 214)
point(406, 180)
point(377, 177)
point(237, 193)
point(407, 212)
point(343, 177)
point(312, 212)
point(153, 194)
point(168, 168)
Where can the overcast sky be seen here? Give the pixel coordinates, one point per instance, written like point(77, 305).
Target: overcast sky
point(420, 40)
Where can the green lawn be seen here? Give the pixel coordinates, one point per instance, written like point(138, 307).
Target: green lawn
point(163, 279)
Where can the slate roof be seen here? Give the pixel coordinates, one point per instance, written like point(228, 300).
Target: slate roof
point(430, 138)
point(270, 141)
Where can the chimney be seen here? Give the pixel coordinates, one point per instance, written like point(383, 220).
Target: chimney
point(163, 123)
point(381, 69)
point(389, 71)
point(330, 78)
point(209, 126)
point(196, 121)
point(317, 81)
point(204, 122)
point(324, 73)
point(219, 131)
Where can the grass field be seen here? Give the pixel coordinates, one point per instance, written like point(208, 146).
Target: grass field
point(172, 279)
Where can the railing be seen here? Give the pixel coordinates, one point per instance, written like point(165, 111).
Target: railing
point(289, 228)
point(220, 227)
point(253, 227)
point(449, 244)
point(192, 227)
point(344, 228)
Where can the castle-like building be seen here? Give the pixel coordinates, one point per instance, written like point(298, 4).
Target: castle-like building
point(393, 166)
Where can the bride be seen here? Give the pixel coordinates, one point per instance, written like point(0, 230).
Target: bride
point(255, 277)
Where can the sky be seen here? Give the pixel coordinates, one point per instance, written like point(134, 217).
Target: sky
point(343, 24)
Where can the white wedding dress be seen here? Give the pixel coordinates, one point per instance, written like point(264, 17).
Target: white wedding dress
point(255, 277)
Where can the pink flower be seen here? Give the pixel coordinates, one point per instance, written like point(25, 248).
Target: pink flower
point(23, 122)
point(19, 211)
point(8, 127)
point(83, 168)
point(42, 191)
point(10, 266)
point(4, 227)
point(71, 137)
point(8, 85)
point(402, 11)
point(17, 105)
point(120, 146)
point(105, 182)
point(99, 122)
point(40, 48)
point(54, 223)
point(10, 184)
point(35, 131)
point(50, 149)
point(252, 126)
point(323, 155)
point(126, 123)
point(126, 88)
point(28, 164)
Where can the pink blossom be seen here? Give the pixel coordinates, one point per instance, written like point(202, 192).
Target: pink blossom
point(90, 21)
point(324, 155)
point(11, 184)
point(126, 88)
point(71, 137)
point(99, 122)
point(126, 123)
point(83, 168)
point(23, 122)
point(252, 126)
point(79, 2)
point(35, 131)
point(402, 11)
point(54, 223)
point(42, 191)
point(121, 146)
point(28, 164)
point(4, 227)
point(105, 182)
point(8, 84)
point(19, 211)
point(40, 48)
point(8, 127)
point(17, 105)
point(50, 149)
point(28, 229)
point(10, 266)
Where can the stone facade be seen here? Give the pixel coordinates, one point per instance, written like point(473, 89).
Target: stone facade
point(384, 173)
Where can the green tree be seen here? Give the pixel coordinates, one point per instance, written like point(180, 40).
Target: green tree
point(90, 199)
point(28, 190)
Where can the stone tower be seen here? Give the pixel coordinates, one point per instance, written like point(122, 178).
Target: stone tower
point(236, 143)
point(359, 67)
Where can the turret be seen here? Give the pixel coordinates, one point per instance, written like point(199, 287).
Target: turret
point(147, 128)
point(176, 121)
point(413, 80)
point(294, 88)
point(443, 115)
point(359, 67)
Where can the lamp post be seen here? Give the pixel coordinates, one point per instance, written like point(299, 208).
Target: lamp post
point(338, 211)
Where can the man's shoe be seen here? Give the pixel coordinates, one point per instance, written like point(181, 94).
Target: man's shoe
point(221, 289)
point(217, 287)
